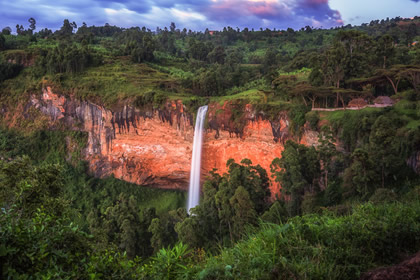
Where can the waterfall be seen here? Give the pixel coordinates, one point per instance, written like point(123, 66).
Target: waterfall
point(194, 189)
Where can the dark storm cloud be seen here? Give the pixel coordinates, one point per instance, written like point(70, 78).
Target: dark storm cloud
point(214, 14)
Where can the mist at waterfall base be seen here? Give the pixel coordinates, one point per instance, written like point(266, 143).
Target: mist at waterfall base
point(194, 189)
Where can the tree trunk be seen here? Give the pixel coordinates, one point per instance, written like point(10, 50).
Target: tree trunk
point(383, 180)
point(394, 85)
point(325, 178)
point(230, 233)
point(342, 101)
point(313, 103)
point(304, 101)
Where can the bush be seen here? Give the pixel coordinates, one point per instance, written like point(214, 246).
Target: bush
point(312, 118)
point(297, 116)
point(159, 99)
point(9, 70)
point(145, 99)
point(382, 195)
point(322, 246)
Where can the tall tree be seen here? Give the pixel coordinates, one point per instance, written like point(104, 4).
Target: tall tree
point(32, 25)
point(297, 171)
point(385, 49)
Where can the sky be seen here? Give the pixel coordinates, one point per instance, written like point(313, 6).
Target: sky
point(202, 14)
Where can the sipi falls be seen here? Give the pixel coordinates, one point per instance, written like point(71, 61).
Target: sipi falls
point(194, 189)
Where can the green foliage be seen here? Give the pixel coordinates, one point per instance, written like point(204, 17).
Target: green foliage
point(298, 172)
point(312, 118)
point(230, 204)
point(322, 246)
point(8, 70)
point(297, 117)
point(38, 238)
point(353, 127)
point(361, 176)
point(67, 59)
point(109, 208)
point(383, 196)
point(277, 213)
point(333, 194)
point(170, 263)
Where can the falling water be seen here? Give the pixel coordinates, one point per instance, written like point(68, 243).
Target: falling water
point(194, 190)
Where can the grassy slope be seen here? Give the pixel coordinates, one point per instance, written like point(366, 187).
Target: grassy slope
point(323, 246)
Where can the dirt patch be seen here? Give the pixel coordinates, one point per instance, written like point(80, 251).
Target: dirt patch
point(407, 270)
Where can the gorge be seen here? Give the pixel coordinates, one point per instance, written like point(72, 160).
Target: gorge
point(153, 147)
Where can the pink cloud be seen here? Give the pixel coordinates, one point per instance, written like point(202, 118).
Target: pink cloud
point(277, 13)
point(261, 9)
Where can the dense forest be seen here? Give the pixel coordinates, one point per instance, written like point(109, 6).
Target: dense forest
point(347, 205)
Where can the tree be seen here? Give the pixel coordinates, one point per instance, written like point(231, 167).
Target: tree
point(412, 74)
point(6, 31)
point(326, 151)
point(244, 212)
point(67, 28)
point(360, 177)
point(411, 32)
point(2, 43)
point(172, 27)
point(230, 203)
point(384, 148)
point(19, 29)
point(298, 172)
point(385, 49)
point(32, 25)
point(277, 213)
point(333, 66)
point(157, 231)
point(122, 226)
point(217, 55)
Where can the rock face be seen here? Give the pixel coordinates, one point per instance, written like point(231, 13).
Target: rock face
point(154, 147)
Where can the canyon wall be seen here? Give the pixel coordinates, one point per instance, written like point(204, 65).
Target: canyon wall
point(154, 146)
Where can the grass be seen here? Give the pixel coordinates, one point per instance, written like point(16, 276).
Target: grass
point(322, 246)
point(334, 116)
point(13, 90)
point(102, 193)
point(252, 96)
point(413, 125)
point(406, 107)
point(116, 81)
point(162, 200)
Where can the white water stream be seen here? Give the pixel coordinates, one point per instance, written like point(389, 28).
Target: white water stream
point(194, 189)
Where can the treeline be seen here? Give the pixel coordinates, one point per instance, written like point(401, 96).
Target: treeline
point(66, 58)
point(213, 62)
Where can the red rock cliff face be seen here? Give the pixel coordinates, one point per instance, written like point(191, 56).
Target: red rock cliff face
point(154, 147)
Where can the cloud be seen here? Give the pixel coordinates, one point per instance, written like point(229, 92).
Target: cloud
point(191, 14)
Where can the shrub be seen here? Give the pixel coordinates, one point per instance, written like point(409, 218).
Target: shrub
point(382, 195)
point(312, 118)
point(322, 246)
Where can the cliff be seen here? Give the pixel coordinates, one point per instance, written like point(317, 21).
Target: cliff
point(154, 146)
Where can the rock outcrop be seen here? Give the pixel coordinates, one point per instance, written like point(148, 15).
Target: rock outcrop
point(154, 146)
